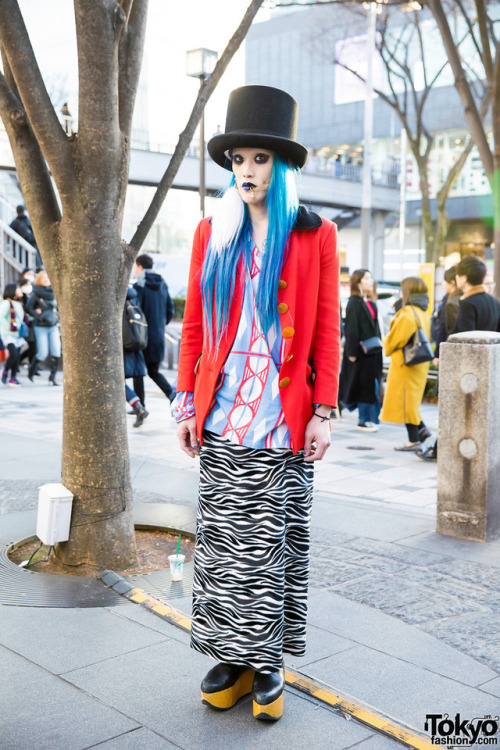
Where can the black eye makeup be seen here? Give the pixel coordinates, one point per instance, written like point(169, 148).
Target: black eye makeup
point(259, 158)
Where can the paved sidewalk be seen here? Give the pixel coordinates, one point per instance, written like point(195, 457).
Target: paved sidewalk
point(400, 617)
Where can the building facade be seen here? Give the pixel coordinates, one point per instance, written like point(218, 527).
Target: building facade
point(298, 52)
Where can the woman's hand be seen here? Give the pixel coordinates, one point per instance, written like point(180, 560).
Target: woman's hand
point(435, 361)
point(317, 436)
point(352, 359)
point(186, 434)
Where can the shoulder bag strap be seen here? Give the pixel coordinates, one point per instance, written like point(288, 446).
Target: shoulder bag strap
point(416, 317)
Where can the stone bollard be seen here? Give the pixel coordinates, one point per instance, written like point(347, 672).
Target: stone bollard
point(468, 503)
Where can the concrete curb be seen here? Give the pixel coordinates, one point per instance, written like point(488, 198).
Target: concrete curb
point(348, 707)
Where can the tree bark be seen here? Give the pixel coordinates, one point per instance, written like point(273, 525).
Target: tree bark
point(495, 181)
point(426, 211)
point(95, 465)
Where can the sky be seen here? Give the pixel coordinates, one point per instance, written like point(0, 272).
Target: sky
point(173, 28)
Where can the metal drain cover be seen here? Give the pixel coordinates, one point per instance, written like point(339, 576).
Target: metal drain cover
point(28, 588)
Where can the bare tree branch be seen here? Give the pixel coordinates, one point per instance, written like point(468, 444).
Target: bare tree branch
point(470, 26)
point(30, 163)
point(379, 93)
point(421, 45)
point(127, 8)
point(9, 78)
point(297, 3)
point(186, 136)
point(495, 96)
point(482, 21)
point(463, 87)
point(99, 24)
point(30, 84)
point(457, 167)
point(130, 59)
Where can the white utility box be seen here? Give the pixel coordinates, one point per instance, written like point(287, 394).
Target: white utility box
point(54, 513)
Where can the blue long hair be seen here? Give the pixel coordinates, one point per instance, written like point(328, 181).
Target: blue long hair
point(228, 244)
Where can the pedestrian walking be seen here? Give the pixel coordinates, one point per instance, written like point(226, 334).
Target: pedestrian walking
point(478, 310)
point(158, 307)
point(22, 225)
point(406, 384)
point(361, 372)
point(446, 318)
point(258, 377)
point(134, 366)
point(29, 351)
point(42, 307)
point(11, 320)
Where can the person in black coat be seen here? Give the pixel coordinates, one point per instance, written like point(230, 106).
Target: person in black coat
point(135, 367)
point(361, 373)
point(22, 225)
point(158, 308)
point(478, 310)
point(447, 311)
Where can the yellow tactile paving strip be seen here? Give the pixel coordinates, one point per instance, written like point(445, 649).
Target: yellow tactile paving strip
point(320, 691)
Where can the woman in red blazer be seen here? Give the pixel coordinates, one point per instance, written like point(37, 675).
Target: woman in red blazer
point(258, 377)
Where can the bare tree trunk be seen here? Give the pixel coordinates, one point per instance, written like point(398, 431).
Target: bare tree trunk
point(95, 461)
point(426, 208)
point(495, 181)
point(496, 229)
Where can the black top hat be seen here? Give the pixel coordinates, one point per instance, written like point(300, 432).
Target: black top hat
point(259, 116)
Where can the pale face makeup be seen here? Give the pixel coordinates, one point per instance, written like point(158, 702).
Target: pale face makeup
point(252, 168)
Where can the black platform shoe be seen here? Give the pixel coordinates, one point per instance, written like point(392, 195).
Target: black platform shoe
point(225, 684)
point(267, 695)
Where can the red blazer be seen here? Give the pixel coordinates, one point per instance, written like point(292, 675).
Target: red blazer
point(309, 312)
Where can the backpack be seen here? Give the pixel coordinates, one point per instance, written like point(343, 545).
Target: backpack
point(135, 328)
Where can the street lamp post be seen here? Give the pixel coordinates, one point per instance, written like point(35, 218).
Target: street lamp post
point(200, 64)
point(366, 195)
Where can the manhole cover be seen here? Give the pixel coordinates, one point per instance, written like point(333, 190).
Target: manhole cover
point(360, 448)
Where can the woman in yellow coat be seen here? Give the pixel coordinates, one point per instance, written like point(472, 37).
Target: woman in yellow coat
point(406, 385)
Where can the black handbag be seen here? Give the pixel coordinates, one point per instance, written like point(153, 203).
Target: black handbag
point(418, 349)
point(371, 345)
point(50, 317)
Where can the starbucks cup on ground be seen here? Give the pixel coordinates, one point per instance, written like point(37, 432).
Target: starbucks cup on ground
point(176, 566)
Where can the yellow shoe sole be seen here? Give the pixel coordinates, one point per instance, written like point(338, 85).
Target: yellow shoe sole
point(270, 712)
point(224, 699)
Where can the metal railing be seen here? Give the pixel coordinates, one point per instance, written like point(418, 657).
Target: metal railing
point(172, 348)
point(15, 254)
point(315, 165)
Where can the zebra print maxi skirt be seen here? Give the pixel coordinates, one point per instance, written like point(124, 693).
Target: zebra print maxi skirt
point(251, 556)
